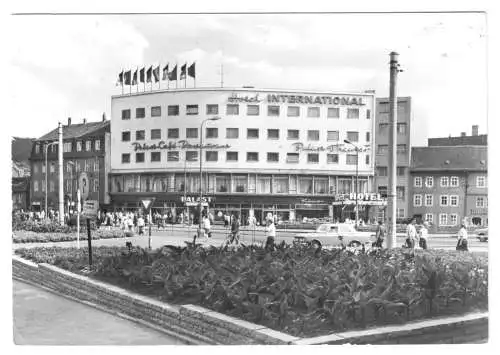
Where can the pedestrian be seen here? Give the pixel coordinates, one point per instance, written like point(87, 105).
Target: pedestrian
point(270, 230)
point(423, 233)
point(206, 227)
point(235, 229)
point(462, 243)
point(140, 225)
point(411, 234)
point(380, 235)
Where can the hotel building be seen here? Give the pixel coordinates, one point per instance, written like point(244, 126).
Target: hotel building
point(265, 151)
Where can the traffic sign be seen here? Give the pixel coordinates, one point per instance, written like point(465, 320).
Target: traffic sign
point(147, 203)
point(90, 208)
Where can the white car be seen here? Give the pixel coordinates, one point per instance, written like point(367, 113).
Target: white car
point(336, 234)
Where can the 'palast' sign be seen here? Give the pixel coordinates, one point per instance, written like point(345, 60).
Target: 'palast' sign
point(332, 148)
point(195, 201)
point(176, 145)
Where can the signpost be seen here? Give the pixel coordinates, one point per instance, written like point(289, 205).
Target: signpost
point(147, 203)
point(78, 210)
point(90, 208)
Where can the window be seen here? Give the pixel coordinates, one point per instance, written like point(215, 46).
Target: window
point(273, 134)
point(191, 155)
point(96, 165)
point(43, 186)
point(313, 135)
point(401, 148)
point(401, 170)
point(293, 111)
point(239, 183)
point(126, 114)
point(305, 185)
point(382, 149)
point(313, 112)
point(454, 200)
point(156, 134)
point(139, 157)
point(453, 219)
point(400, 213)
point(95, 185)
point(191, 132)
point(125, 158)
point(273, 110)
point(253, 110)
point(353, 113)
point(417, 200)
point(281, 185)
point(332, 136)
point(231, 156)
point(429, 200)
point(140, 112)
point(417, 181)
point(78, 146)
point(156, 111)
point(429, 181)
point(454, 181)
point(37, 148)
point(292, 157)
point(443, 200)
point(382, 171)
point(332, 158)
point(383, 128)
point(232, 133)
point(445, 181)
point(191, 109)
point(211, 156)
point(88, 146)
point(400, 192)
point(351, 159)
point(173, 110)
point(97, 145)
point(67, 147)
point(367, 159)
point(212, 132)
point(367, 136)
point(293, 134)
point(52, 168)
point(252, 133)
point(155, 156)
point(35, 185)
point(125, 136)
point(233, 109)
point(140, 135)
point(313, 158)
point(173, 133)
point(429, 217)
point(43, 168)
point(172, 156)
point(443, 219)
point(35, 168)
point(252, 156)
point(401, 128)
point(273, 157)
point(480, 202)
point(353, 136)
point(333, 112)
point(382, 190)
point(368, 114)
point(481, 181)
point(212, 109)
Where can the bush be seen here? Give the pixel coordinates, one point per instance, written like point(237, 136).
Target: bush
point(34, 237)
point(48, 226)
point(300, 291)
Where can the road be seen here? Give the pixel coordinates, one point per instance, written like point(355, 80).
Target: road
point(43, 318)
point(177, 235)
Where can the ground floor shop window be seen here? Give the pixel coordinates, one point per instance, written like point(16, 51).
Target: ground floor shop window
point(321, 186)
point(305, 185)
point(263, 184)
point(280, 184)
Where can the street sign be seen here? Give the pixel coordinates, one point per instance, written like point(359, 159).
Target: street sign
point(147, 203)
point(90, 208)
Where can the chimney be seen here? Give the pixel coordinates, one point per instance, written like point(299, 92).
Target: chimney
point(463, 134)
point(475, 130)
point(103, 116)
point(84, 120)
point(69, 121)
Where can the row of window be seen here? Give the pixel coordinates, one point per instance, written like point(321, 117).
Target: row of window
point(382, 171)
point(400, 192)
point(251, 110)
point(446, 181)
point(234, 133)
point(79, 146)
point(68, 185)
point(444, 219)
point(383, 149)
point(272, 157)
point(384, 128)
point(444, 200)
point(69, 166)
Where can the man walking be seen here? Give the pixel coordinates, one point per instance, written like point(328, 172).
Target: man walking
point(462, 243)
point(271, 234)
point(380, 235)
point(411, 234)
point(235, 229)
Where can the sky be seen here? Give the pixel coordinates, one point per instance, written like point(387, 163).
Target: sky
point(67, 66)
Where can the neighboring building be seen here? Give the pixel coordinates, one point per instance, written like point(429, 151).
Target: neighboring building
point(464, 139)
point(85, 164)
point(450, 185)
point(403, 152)
point(21, 149)
point(272, 151)
point(20, 193)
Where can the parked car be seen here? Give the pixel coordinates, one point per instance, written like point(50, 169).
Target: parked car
point(482, 234)
point(336, 234)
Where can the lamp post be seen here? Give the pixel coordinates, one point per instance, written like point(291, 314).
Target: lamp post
point(356, 147)
point(216, 118)
point(47, 177)
point(78, 206)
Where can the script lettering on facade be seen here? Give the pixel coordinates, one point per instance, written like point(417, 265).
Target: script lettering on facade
point(183, 144)
point(332, 148)
point(234, 98)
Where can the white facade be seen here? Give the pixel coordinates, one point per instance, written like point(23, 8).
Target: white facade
point(322, 101)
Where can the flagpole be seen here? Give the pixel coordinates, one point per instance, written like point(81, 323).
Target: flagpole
point(130, 83)
point(137, 82)
point(159, 77)
point(144, 82)
point(177, 82)
point(122, 81)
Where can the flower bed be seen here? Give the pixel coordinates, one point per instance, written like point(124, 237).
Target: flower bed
point(298, 291)
point(34, 237)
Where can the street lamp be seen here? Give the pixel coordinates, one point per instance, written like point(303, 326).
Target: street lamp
point(216, 118)
point(356, 147)
point(47, 177)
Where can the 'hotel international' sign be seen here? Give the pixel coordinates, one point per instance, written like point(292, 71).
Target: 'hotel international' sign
point(332, 148)
point(176, 145)
point(373, 199)
point(298, 99)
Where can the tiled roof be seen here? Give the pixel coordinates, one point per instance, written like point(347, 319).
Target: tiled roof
point(463, 158)
point(21, 148)
point(75, 130)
